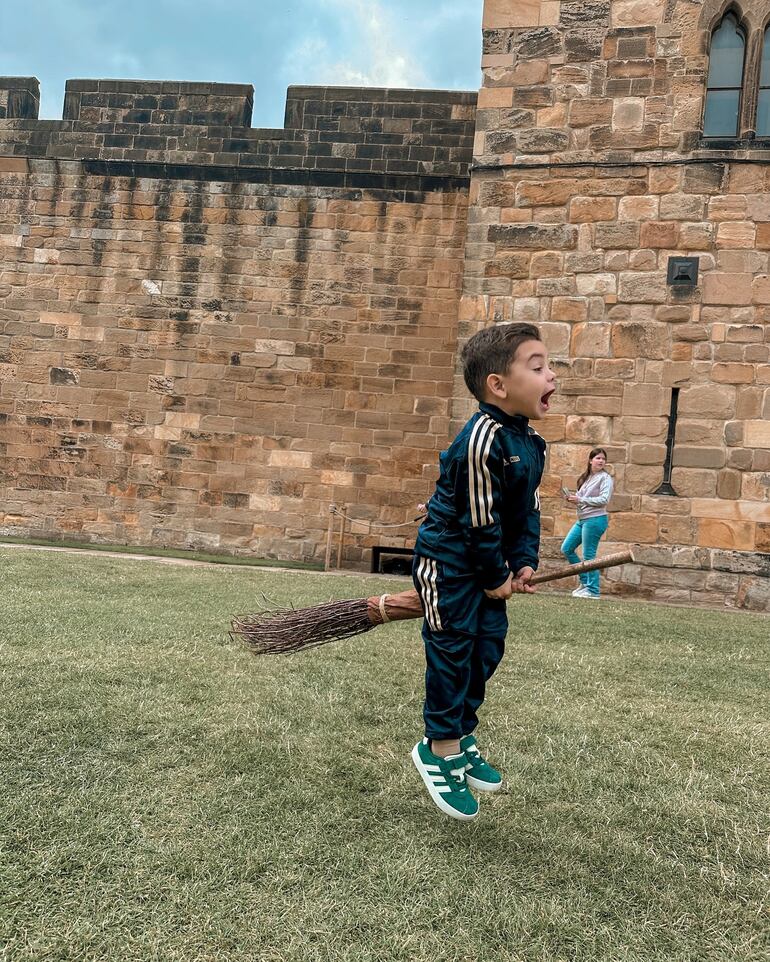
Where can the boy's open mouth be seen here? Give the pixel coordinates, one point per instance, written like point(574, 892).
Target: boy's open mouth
point(546, 398)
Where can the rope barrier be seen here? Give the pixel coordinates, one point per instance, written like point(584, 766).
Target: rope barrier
point(333, 509)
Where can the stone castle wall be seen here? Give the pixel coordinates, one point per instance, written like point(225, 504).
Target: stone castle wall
point(208, 332)
point(589, 174)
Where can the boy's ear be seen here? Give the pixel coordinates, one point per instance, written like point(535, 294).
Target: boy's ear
point(495, 386)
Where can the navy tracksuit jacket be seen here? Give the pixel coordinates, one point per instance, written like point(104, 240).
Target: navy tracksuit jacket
point(483, 522)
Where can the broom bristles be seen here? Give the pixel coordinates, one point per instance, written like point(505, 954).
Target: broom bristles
point(279, 631)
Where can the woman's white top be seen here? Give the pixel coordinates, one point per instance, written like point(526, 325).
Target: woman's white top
point(593, 495)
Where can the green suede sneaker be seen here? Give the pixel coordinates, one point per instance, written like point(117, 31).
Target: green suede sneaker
point(445, 780)
point(479, 774)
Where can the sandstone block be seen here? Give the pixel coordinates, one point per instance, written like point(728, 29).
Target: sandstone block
point(696, 236)
point(634, 528)
point(729, 207)
point(643, 288)
point(763, 537)
point(675, 529)
point(569, 309)
point(499, 14)
point(647, 453)
point(508, 265)
point(615, 367)
point(686, 207)
point(628, 113)
point(589, 112)
point(553, 428)
point(622, 234)
point(676, 373)
point(760, 290)
point(660, 234)
point(587, 429)
point(740, 458)
point(736, 234)
point(599, 405)
point(534, 236)
point(632, 428)
point(729, 484)
point(728, 289)
point(491, 98)
point(733, 433)
point(694, 482)
point(652, 399)
point(763, 236)
point(733, 373)
point(556, 337)
point(596, 284)
point(730, 535)
point(547, 262)
point(698, 457)
point(584, 210)
point(591, 340)
point(581, 384)
point(545, 193)
point(543, 140)
point(632, 340)
point(757, 434)
point(526, 310)
point(707, 400)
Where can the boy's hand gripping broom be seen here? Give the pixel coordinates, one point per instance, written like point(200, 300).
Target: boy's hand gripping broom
point(281, 630)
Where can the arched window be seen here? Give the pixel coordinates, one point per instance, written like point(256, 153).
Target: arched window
point(763, 102)
point(725, 79)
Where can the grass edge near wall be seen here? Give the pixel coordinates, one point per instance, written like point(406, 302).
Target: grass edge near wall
point(204, 557)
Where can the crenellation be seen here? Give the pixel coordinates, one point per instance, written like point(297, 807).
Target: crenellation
point(19, 98)
point(330, 130)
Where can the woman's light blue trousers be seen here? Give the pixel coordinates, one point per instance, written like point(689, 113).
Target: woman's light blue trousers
point(587, 533)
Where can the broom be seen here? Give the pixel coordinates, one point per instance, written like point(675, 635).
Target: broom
point(276, 631)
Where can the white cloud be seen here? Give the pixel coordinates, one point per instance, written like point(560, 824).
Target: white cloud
point(374, 52)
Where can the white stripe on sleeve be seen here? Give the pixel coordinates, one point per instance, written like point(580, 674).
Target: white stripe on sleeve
point(479, 480)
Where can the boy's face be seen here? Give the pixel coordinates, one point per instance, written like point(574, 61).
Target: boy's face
point(527, 385)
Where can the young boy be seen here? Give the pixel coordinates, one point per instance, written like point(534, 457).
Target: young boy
point(477, 546)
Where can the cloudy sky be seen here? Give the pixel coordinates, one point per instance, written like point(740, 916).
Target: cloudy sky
point(268, 43)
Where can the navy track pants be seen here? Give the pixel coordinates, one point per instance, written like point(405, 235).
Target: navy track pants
point(464, 634)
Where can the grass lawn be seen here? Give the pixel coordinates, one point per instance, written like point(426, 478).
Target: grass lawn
point(165, 795)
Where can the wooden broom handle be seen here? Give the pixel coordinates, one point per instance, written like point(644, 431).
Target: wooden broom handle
point(608, 561)
point(407, 604)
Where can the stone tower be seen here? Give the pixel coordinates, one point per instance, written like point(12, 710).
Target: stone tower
point(602, 210)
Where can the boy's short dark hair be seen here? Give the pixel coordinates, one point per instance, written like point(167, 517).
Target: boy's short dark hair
point(491, 351)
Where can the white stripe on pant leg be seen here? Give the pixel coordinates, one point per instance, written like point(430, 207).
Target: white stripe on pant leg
point(434, 591)
point(422, 577)
point(427, 576)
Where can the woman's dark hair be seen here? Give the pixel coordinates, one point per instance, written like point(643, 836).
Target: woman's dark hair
point(592, 454)
point(491, 351)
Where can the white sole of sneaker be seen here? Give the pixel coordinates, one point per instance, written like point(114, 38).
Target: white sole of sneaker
point(434, 793)
point(480, 786)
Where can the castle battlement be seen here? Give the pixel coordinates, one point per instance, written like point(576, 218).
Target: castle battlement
point(334, 136)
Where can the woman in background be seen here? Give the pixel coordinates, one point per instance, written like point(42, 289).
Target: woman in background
point(594, 490)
